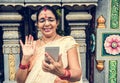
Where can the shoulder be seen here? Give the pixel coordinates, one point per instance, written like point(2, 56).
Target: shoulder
point(69, 42)
point(68, 38)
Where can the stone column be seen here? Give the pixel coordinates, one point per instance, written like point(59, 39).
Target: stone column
point(78, 23)
point(11, 48)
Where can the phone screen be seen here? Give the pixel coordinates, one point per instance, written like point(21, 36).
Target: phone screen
point(53, 51)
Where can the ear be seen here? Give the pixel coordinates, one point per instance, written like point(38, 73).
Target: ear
point(36, 24)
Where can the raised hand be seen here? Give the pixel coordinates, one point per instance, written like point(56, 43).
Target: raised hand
point(29, 47)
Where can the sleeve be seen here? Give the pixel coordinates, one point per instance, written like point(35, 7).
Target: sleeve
point(70, 43)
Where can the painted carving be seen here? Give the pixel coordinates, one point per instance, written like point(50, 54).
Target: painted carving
point(100, 65)
point(11, 60)
point(15, 48)
point(114, 22)
point(10, 34)
point(112, 44)
point(78, 33)
point(92, 42)
point(101, 22)
point(113, 71)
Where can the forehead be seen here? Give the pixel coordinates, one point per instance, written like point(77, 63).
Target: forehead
point(47, 13)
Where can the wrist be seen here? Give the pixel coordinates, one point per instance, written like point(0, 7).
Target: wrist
point(66, 76)
point(25, 59)
point(24, 66)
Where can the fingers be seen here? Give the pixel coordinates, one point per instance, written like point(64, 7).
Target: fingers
point(29, 39)
point(47, 67)
point(26, 39)
point(53, 66)
point(44, 66)
point(49, 58)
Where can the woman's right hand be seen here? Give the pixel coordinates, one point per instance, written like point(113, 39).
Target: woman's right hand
point(28, 48)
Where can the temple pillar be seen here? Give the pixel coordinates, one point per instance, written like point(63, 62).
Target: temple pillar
point(78, 22)
point(11, 48)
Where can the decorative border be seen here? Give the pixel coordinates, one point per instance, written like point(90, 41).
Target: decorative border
point(112, 78)
point(114, 22)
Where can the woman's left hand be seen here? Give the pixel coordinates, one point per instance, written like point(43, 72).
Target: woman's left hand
point(54, 67)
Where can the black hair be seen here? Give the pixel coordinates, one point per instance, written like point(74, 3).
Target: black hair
point(48, 8)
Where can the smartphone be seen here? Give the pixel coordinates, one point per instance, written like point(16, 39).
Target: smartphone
point(53, 51)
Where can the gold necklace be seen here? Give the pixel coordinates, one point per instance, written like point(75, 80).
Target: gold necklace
point(51, 39)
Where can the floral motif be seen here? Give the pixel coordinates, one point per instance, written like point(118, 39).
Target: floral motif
point(112, 44)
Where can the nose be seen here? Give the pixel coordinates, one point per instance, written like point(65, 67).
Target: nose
point(47, 23)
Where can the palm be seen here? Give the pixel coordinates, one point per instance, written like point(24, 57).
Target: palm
point(28, 49)
point(29, 46)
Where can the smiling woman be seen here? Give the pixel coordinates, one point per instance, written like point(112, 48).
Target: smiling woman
point(34, 68)
point(47, 23)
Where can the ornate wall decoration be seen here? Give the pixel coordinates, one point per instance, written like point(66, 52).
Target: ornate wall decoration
point(76, 33)
point(114, 14)
point(108, 44)
point(113, 71)
point(108, 49)
point(12, 69)
point(112, 44)
point(93, 43)
point(101, 22)
point(11, 34)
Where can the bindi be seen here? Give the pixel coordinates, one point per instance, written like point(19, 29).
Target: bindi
point(45, 9)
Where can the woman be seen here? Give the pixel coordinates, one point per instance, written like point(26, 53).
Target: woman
point(34, 68)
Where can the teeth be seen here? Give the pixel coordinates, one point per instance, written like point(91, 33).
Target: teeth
point(47, 29)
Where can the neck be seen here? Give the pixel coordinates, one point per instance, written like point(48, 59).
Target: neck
point(49, 39)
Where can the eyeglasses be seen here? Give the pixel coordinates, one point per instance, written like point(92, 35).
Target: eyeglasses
point(49, 19)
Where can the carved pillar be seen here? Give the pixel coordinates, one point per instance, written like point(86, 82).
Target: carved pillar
point(11, 47)
point(78, 32)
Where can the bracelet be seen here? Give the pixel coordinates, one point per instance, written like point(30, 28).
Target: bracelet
point(24, 66)
point(66, 75)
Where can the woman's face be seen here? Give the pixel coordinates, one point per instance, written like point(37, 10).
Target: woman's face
point(47, 23)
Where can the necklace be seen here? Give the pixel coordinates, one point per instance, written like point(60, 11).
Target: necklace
point(51, 39)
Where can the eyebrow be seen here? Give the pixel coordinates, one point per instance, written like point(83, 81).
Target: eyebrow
point(48, 17)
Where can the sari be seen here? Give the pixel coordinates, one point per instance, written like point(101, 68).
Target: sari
point(36, 74)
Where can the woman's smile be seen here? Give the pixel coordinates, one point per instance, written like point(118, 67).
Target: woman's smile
point(47, 29)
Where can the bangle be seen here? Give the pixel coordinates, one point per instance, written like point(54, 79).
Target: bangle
point(66, 75)
point(24, 66)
